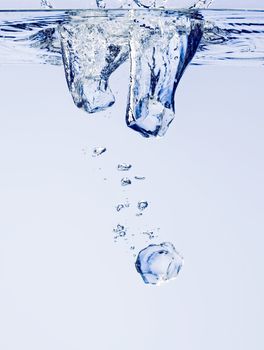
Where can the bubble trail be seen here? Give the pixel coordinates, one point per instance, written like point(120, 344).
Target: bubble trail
point(159, 263)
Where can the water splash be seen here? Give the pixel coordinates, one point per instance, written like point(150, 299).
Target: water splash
point(159, 263)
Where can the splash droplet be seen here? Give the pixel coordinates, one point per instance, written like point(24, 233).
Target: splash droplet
point(159, 263)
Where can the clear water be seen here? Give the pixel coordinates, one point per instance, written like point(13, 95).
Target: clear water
point(160, 44)
point(62, 280)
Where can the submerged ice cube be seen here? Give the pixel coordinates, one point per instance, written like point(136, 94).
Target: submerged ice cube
point(160, 45)
point(92, 49)
point(160, 50)
point(159, 263)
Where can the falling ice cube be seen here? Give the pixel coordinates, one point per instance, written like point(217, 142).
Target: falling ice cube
point(159, 263)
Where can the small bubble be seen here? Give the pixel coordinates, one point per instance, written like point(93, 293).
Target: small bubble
point(120, 231)
point(124, 167)
point(142, 205)
point(119, 207)
point(150, 234)
point(122, 206)
point(97, 151)
point(125, 181)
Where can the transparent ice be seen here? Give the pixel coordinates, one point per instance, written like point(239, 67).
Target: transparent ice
point(92, 50)
point(159, 263)
point(160, 49)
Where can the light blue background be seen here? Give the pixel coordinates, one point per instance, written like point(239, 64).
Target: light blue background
point(64, 284)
